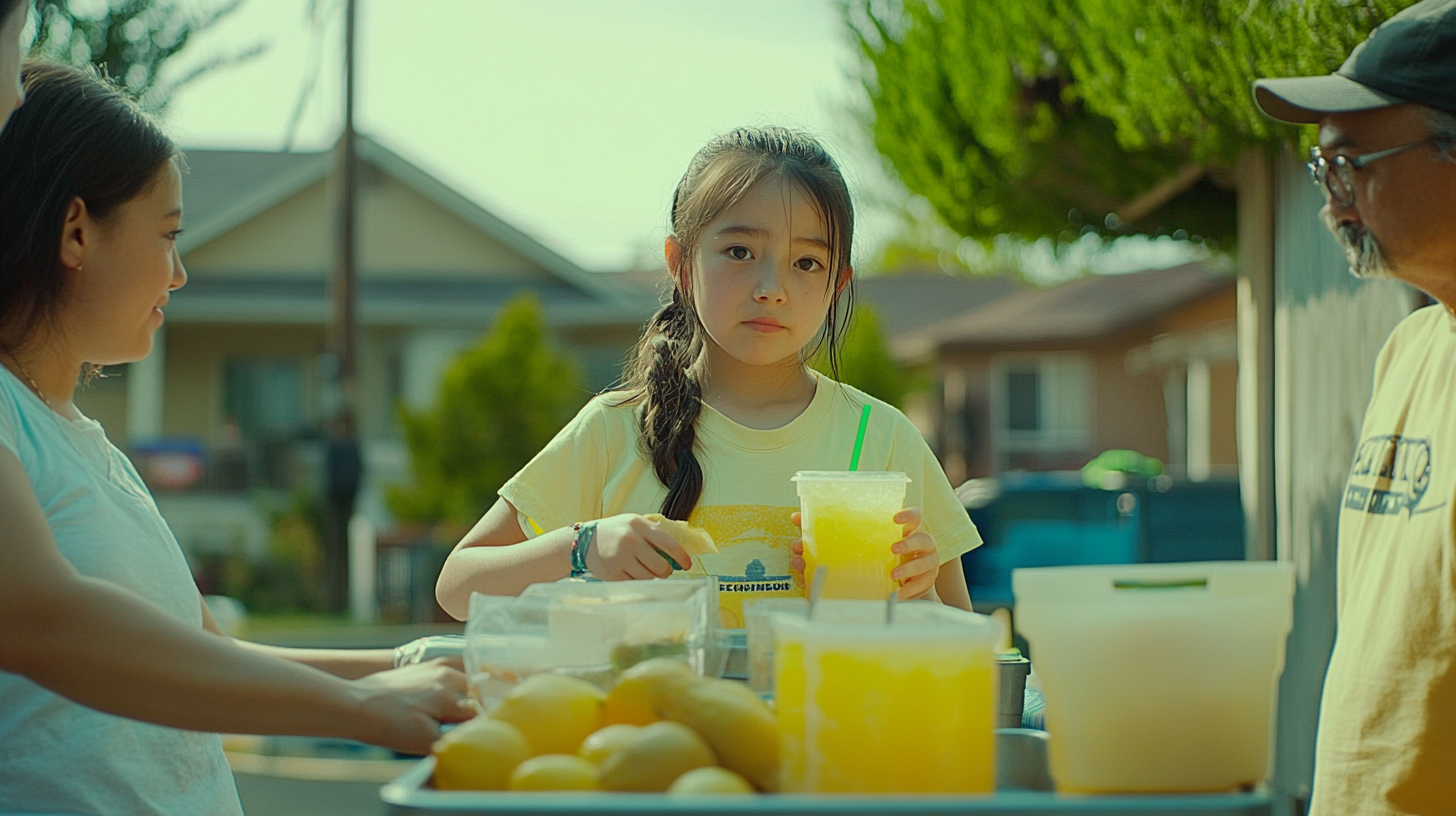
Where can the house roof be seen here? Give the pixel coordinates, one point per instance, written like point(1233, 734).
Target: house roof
point(391, 303)
point(907, 302)
point(226, 188)
point(1088, 307)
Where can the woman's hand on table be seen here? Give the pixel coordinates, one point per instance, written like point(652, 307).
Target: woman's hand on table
point(630, 547)
point(920, 560)
point(403, 708)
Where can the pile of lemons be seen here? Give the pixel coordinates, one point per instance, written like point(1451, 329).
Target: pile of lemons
point(661, 728)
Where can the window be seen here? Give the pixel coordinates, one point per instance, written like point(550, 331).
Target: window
point(266, 397)
point(1042, 402)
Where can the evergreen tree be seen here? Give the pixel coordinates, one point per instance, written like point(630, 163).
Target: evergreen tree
point(498, 405)
point(865, 361)
point(131, 41)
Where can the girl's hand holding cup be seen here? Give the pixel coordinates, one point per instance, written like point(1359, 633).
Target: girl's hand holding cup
point(631, 547)
point(921, 560)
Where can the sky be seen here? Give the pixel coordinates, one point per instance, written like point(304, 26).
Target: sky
point(572, 119)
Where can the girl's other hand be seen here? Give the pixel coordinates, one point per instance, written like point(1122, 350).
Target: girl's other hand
point(403, 707)
point(629, 547)
point(796, 563)
point(921, 561)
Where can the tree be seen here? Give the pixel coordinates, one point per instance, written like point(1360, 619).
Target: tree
point(865, 361)
point(132, 40)
point(1058, 117)
point(499, 403)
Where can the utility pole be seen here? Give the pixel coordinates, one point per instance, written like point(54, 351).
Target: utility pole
point(343, 462)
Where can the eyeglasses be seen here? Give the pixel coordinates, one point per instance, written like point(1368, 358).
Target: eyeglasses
point(1337, 176)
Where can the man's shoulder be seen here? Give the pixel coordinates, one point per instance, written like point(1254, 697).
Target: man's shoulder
point(1424, 324)
point(1414, 338)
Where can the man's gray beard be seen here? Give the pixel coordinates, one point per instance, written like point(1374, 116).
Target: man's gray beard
point(1367, 259)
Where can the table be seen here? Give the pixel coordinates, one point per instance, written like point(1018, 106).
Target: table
point(409, 796)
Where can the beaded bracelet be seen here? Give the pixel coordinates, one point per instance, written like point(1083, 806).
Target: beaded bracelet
point(584, 532)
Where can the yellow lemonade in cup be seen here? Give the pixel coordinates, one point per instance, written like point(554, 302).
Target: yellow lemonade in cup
point(869, 707)
point(849, 527)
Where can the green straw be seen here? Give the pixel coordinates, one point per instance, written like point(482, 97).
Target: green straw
point(864, 422)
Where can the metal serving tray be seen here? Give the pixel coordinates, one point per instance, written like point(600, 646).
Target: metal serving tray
point(409, 795)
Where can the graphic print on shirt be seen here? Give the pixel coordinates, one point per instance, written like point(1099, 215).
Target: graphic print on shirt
point(1391, 474)
point(753, 554)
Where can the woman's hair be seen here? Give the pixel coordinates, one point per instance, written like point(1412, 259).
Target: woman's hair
point(658, 378)
point(77, 136)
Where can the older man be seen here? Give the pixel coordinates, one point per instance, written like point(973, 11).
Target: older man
point(1387, 163)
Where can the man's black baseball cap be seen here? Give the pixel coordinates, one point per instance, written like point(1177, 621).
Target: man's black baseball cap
point(1409, 58)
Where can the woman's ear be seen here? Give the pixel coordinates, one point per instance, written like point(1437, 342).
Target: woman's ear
point(74, 234)
point(845, 276)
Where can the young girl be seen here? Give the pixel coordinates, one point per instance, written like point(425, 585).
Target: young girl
point(99, 615)
point(720, 408)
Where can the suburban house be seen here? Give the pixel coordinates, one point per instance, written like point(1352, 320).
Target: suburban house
point(233, 396)
point(1046, 378)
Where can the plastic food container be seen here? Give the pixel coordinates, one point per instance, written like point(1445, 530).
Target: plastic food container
point(866, 706)
point(589, 630)
point(1158, 677)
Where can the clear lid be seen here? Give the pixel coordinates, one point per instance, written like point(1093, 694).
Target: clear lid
point(851, 476)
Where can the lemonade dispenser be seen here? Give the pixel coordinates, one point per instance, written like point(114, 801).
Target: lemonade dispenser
point(1158, 677)
point(870, 706)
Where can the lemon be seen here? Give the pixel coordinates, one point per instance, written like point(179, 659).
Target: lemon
point(554, 712)
point(738, 726)
point(478, 755)
point(633, 700)
point(655, 756)
point(606, 742)
point(710, 780)
point(554, 772)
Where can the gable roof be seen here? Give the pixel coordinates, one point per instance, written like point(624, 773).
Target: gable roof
point(1088, 307)
point(906, 302)
point(224, 189)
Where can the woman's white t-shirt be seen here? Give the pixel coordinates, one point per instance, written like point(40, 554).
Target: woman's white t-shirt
point(59, 756)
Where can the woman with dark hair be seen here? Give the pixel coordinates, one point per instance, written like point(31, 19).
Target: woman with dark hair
point(99, 615)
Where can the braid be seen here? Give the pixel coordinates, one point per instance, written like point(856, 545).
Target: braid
point(670, 406)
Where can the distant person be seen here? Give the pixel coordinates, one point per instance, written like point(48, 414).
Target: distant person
point(343, 474)
point(1387, 164)
point(99, 615)
point(720, 408)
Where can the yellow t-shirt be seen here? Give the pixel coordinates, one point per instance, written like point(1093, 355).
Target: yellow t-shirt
point(593, 469)
point(1387, 731)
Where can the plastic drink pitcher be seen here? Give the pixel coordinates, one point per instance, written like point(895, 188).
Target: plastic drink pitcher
point(1158, 677)
point(759, 615)
point(869, 707)
point(849, 528)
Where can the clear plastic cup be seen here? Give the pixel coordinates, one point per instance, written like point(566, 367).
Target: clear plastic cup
point(848, 522)
point(866, 706)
